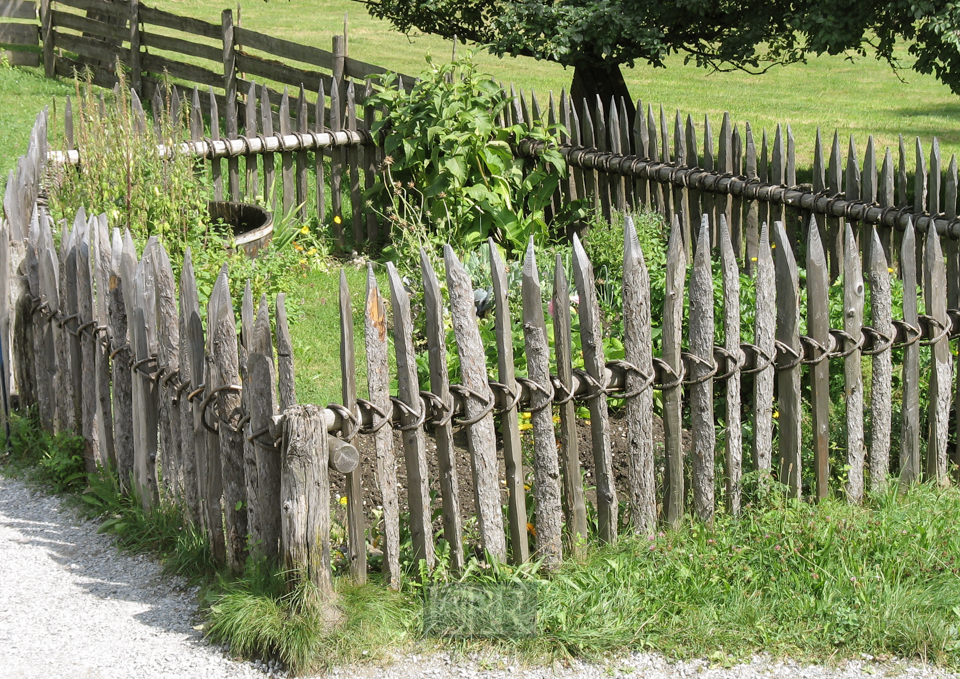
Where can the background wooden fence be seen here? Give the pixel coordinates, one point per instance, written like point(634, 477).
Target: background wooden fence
point(19, 32)
point(107, 345)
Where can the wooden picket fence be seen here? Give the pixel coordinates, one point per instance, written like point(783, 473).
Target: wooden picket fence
point(107, 345)
point(622, 154)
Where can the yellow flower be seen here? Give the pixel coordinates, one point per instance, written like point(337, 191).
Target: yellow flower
point(776, 414)
point(337, 220)
point(753, 259)
point(312, 251)
point(343, 500)
point(525, 416)
point(298, 247)
point(303, 261)
point(889, 269)
point(524, 426)
point(305, 230)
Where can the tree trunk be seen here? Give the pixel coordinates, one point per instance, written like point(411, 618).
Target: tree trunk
point(593, 79)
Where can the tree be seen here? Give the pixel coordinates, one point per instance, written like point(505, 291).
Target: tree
point(596, 37)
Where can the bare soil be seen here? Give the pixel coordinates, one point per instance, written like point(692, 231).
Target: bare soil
point(371, 488)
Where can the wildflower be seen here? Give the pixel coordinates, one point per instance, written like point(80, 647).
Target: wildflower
point(411, 185)
point(815, 576)
point(776, 414)
point(753, 259)
point(343, 500)
point(777, 548)
point(652, 547)
point(651, 538)
point(305, 229)
point(312, 251)
point(889, 269)
point(526, 486)
point(388, 161)
point(524, 426)
point(303, 261)
point(337, 220)
point(298, 247)
point(531, 529)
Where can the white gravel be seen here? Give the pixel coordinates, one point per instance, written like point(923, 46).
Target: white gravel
point(72, 606)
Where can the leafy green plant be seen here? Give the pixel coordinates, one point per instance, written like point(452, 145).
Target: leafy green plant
point(450, 173)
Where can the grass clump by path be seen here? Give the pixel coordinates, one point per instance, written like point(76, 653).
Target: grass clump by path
point(787, 578)
point(814, 582)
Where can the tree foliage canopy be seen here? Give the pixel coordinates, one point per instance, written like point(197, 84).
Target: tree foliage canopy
point(720, 34)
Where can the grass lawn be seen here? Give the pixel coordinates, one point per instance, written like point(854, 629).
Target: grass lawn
point(23, 93)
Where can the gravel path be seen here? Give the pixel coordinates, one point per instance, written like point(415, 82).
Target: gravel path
point(71, 606)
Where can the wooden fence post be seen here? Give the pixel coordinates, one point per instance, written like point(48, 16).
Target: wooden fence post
point(574, 504)
point(224, 385)
point(443, 431)
point(788, 378)
point(216, 166)
point(120, 355)
point(207, 445)
point(168, 366)
point(638, 345)
point(250, 131)
point(593, 360)
point(941, 362)
point(356, 541)
point(765, 322)
point(46, 33)
point(352, 155)
point(509, 419)
point(185, 386)
point(853, 299)
point(255, 512)
point(87, 321)
point(672, 330)
point(143, 333)
point(378, 383)
point(881, 390)
point(286, 158)
point(414, 445)
point(546, 466)
point(701, 390)
point(302, 155)
point(263, 404)
point(230, 88)
point(100, 236)
point(818, 327)
point(305, 497)
point(910, 412)
point(135, 69)
point(733, 440)
point(478, 397)
point(67, 419)
point(269, 162)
